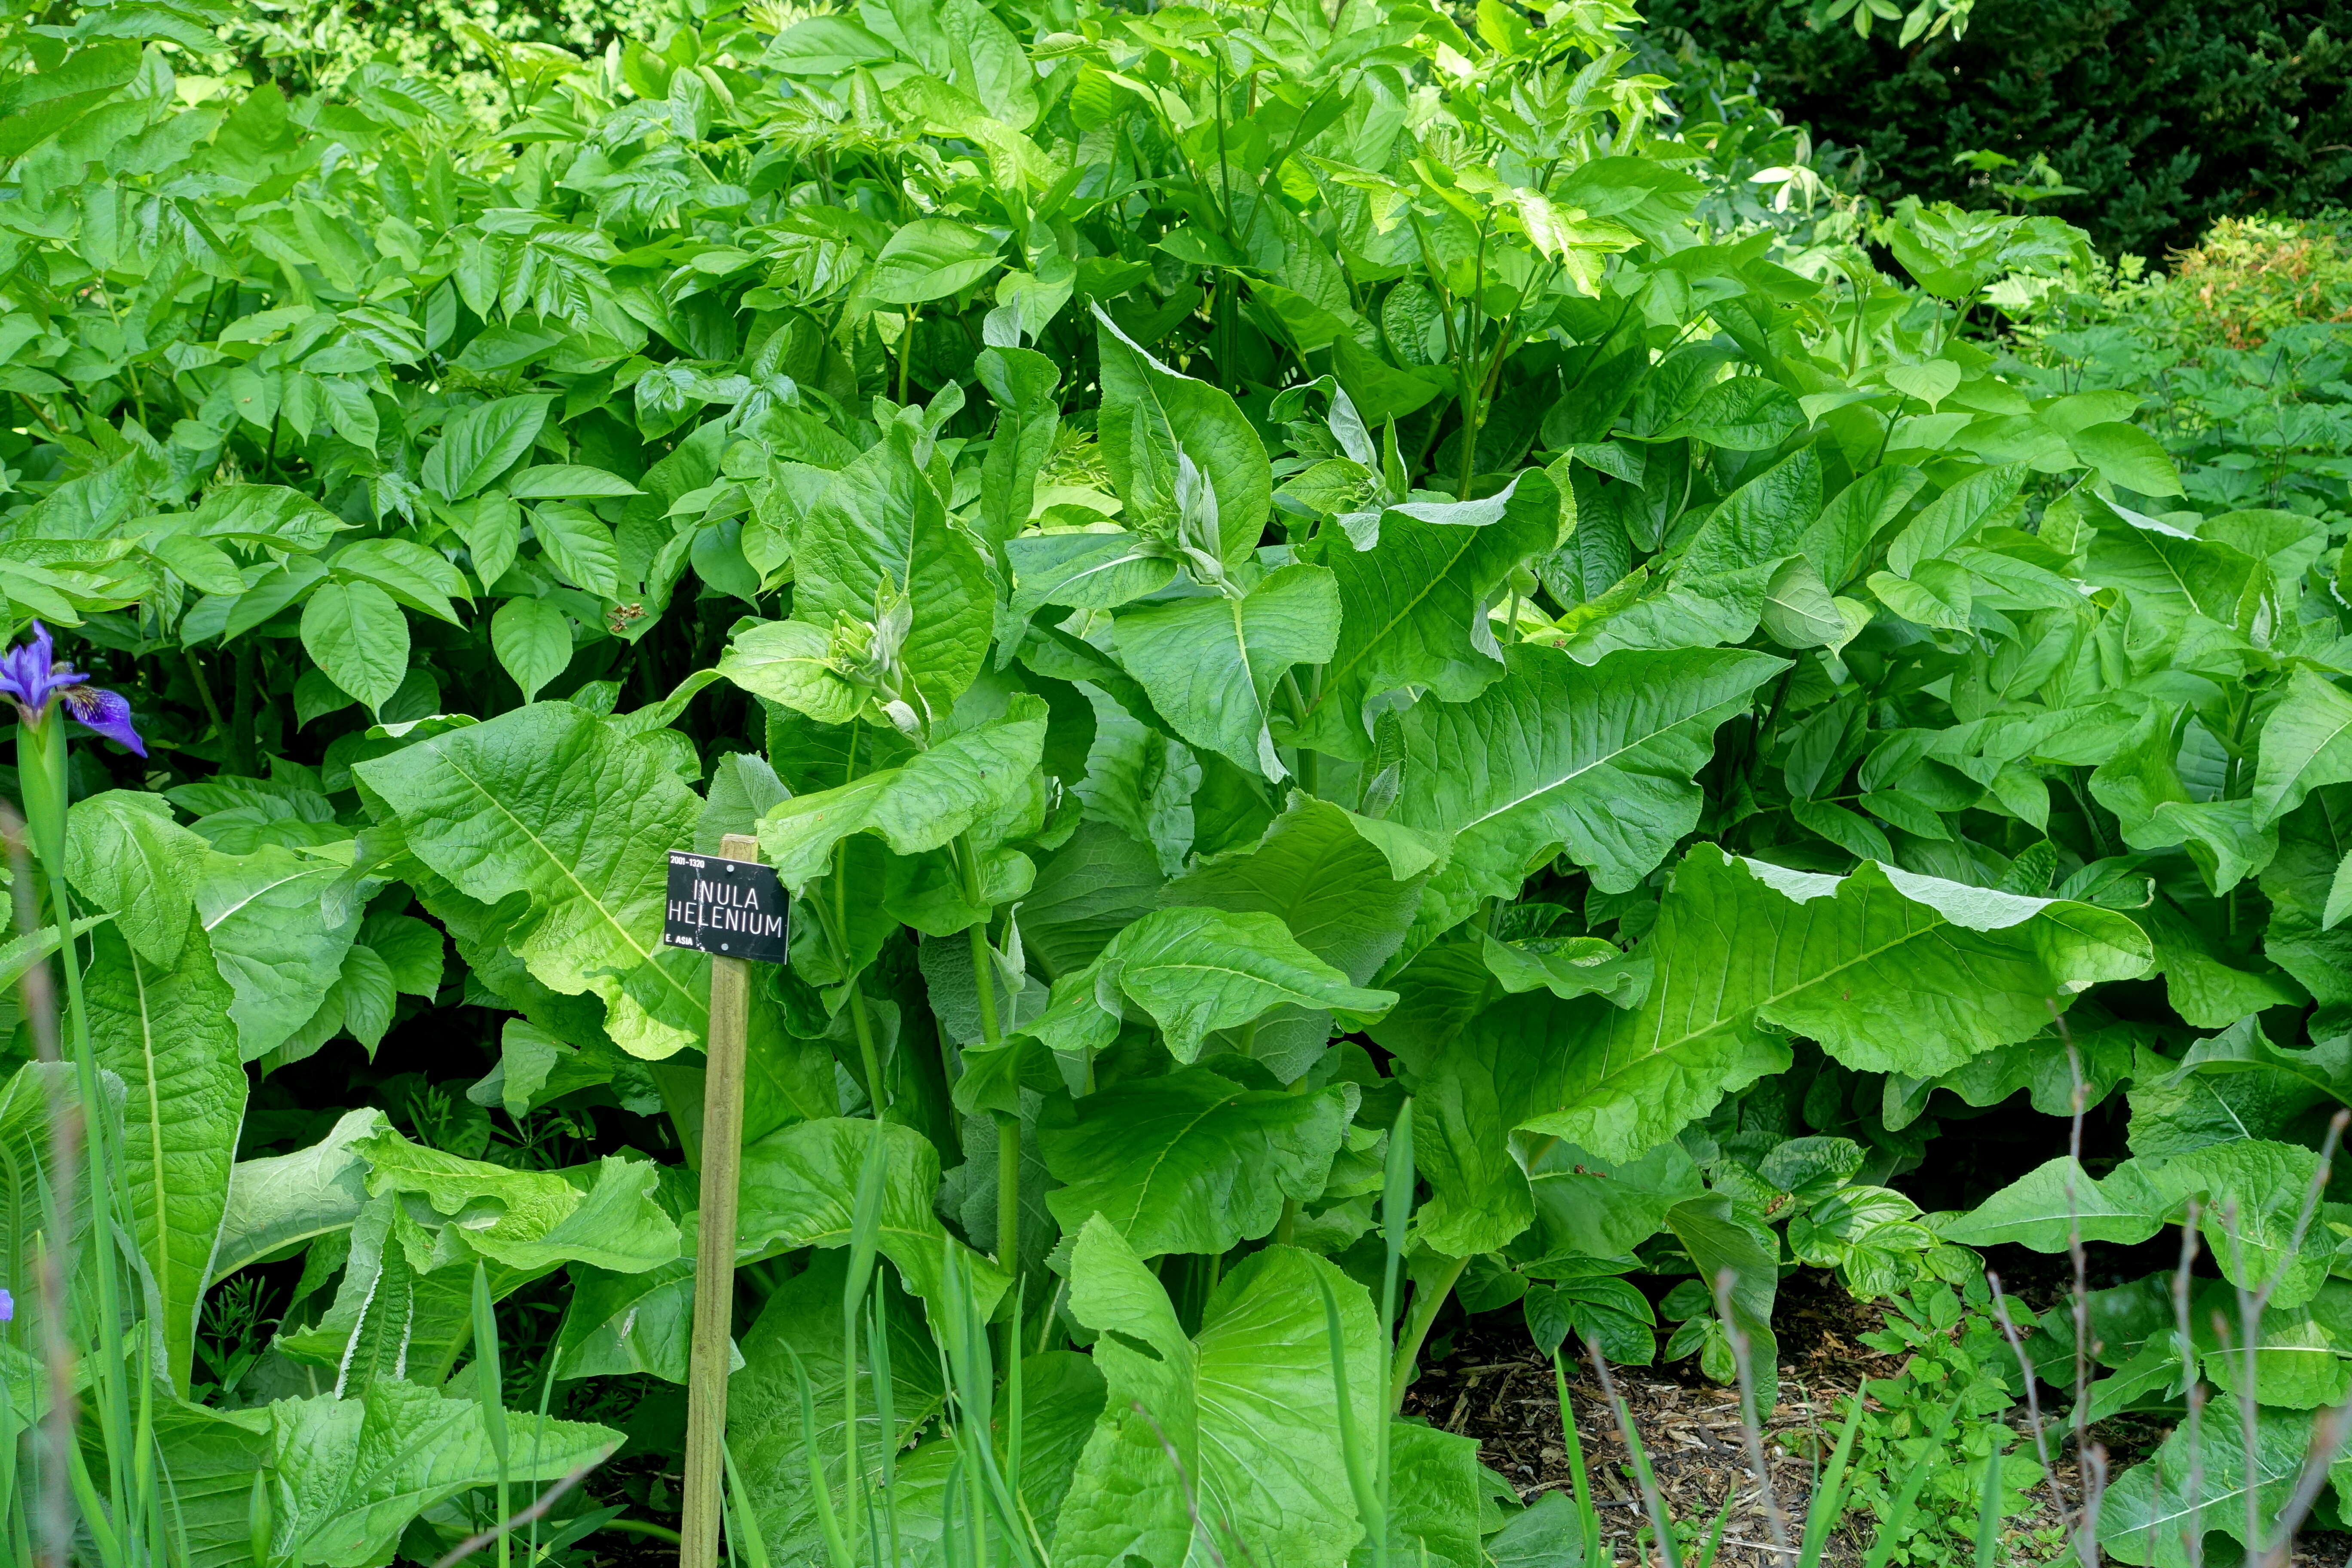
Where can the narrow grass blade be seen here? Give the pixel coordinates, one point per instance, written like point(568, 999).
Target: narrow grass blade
point(1361, 1479)
point(1829, 1492)
point(1989, 1512)
point(1572, 1440)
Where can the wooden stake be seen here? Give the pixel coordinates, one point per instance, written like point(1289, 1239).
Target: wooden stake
point(714, 1255)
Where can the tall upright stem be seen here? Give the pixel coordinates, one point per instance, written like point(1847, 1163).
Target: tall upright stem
point(41, 777)
point(991, 1034)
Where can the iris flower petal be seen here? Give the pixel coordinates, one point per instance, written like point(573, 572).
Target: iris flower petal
point(107, 713)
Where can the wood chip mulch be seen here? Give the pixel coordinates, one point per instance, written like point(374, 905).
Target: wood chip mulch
point(1491, 1384)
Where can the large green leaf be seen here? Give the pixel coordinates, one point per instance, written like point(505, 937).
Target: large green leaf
point(1415, 602)
point(359, 638)
point(928, 259)
point(402, 1310)
point(124, 853)
point(165, 1032)
point(2058, 1200)
point(281, 1199)
point(1023, 382)
point(1345, 886)
point(792, 663)
point(799, 1189)
point(1721, 588)
point(208, 1460)
point(2306, 742)
point(399, 1315)
point(1195, 970)
point(2298, 1361)
point(1149, 414)
point(2176, 574)
point(1061, 1399)
point(273, 940)
point(620, 1325)
point(2148, 1518)
point(533, 1220)
point(1190, 1161)
point(1248, 1405)
point(2251, 1196)
point(1209, 663)
point(937, 794)
point(347, 1476)
point(1889, 971)
point(1472, 1090)
point(1596, 760)
point(481, 443)
point(881, 537)
point(551, 802)
point(798, 1337)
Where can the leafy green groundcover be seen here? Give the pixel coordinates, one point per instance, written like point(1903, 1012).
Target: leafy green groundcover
point(1241, 567)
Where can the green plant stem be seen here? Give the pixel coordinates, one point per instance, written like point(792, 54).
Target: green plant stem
point(991, 1034)
point(906, 353)
point(1471, 388)
point(1418, 1319)
point(1008, 1193)
point(41, 778)
point(244, 740)
point(205, 693)
point(876, 1091)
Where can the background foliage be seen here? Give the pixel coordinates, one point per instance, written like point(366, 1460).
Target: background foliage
point(2168, 114)
point(1246, 567)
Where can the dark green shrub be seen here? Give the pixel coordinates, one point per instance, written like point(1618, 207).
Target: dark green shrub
point(2168, 113)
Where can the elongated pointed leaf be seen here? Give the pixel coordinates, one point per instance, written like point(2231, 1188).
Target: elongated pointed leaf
point(165, 1032)
point(481, 443)
point(359, 638)
point(2059, 1200)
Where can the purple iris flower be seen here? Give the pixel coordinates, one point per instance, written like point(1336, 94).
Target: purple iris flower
point(33, 674)
point(7, 1308)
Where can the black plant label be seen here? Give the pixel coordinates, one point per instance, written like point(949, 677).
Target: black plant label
point(735, 908)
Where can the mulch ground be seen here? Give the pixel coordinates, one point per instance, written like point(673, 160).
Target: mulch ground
point(1492, 1385)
